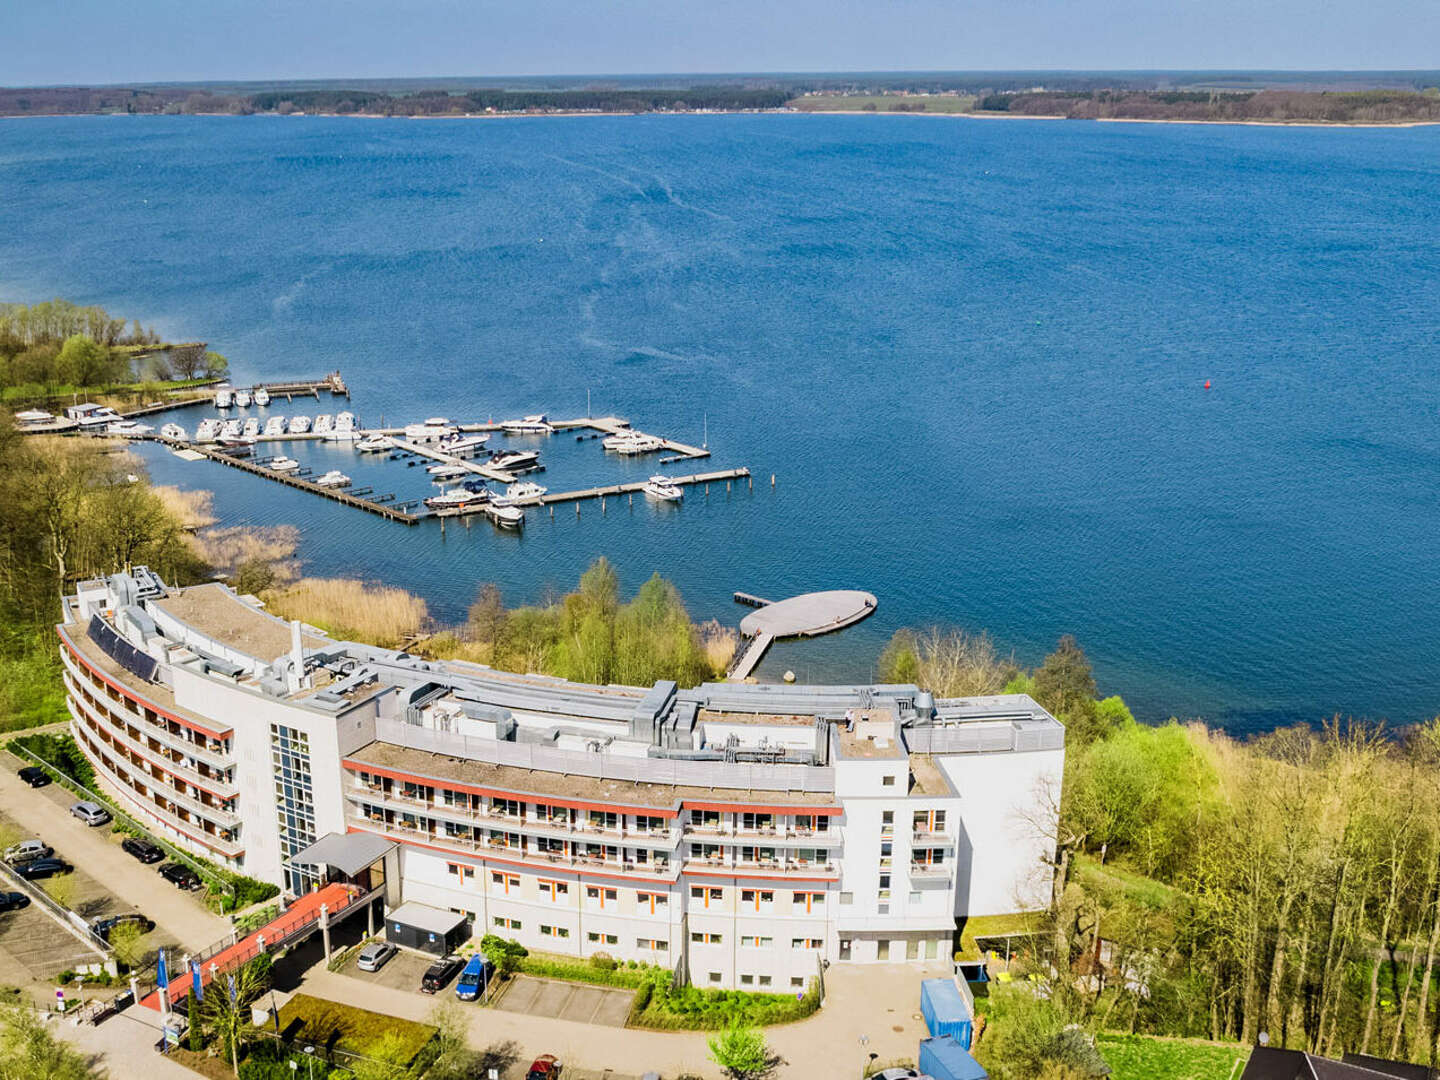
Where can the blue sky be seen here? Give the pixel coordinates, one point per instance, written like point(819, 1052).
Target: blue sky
point(98, 41)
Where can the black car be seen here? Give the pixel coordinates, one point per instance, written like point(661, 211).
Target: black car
point(9, 901)
point(143, 850)
point(439, 974)
point(182, 877)
point(34, 776)
point(103, 927)
point(43, 868)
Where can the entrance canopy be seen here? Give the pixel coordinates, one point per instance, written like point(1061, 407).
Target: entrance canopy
point(348, 853)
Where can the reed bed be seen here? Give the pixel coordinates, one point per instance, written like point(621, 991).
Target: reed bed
point(355, 610)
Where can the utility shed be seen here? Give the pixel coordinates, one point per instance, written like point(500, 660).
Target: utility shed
point(431, 930)
point(946, 1059)
point(945, 1010)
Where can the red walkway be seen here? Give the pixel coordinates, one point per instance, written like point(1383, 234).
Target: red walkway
point(304, 914)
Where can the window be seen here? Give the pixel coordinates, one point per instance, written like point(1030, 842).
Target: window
point(929, 821)
point(464, 874)
point(809, 901)
point(645, 824)
point(506, 923)
point(757, 898)
point(927, 857)
point(652, 900)
point(554, 931)
point(549, 845)
point(715, 977)
point(606, 939)
point(914, 896)
point(755, 941)
point(603, 819)
point(706, 851)
point(764, 980)
point(506, 882)
point(505, 807)
point(600, 895)
point(708, 895)
point(554, 890)
point(806, 943)
point(846, 899)
point(700, 938)
point(652, 944)
point(747, 980)
point(503, 839)
point(294, 799)
point(887, 781)
point(887, 823)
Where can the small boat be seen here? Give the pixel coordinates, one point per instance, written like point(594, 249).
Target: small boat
point(633, 442)
point(374, 444)
point(262, 397)
point(447, 472)
point(462, 445)
point(538, 424)
point(323, 423)
point(661, 489)
point(431, 431)
point(224, 399)
point(275, 426)
point(283, 464)
point(514, 459)
point(299, 425)
point(252, 427)
point(33, 417)
point(208, 431)
point(345, 421)
point(454, 500)
point(333, 478)
point(478, 489)
point(507, 517)
point(128, 429)
point(524, 491)
point(231, 430)
point(242, 399)
point(237, 447)
point(174, 431)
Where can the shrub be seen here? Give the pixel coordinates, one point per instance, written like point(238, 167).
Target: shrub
point(691, 1008)
point(603, 961)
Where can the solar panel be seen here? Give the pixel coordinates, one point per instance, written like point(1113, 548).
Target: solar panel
point(120, 650)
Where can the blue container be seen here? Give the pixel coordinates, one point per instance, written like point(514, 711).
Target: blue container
point(946, 1059)
point(945, 1011)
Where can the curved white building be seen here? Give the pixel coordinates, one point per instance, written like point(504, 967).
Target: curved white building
point(741, 832)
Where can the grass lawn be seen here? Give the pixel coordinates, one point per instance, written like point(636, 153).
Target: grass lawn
point(344, 1027)
point(1139, 1057)
point(947, 103)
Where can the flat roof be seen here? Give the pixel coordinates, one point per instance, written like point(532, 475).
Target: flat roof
point(347, 852)
point(929, 778)
point(216, 612)
point(424, 917)
point(567, 787)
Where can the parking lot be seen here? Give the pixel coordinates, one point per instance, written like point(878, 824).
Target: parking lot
point(401, 972)
point(34, 944)
point(567, 1001)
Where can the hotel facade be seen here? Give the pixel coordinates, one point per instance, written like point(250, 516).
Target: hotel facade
point(741, 833)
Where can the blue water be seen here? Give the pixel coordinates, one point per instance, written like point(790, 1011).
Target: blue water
point(972, 354)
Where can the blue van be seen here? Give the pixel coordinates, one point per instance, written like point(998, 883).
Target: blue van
point(475, 978)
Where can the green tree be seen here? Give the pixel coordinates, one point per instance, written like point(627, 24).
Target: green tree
point(83, 361)
point(195, 1033)
point(385, 1059)
point(28, 1050)
point(899, 660)
point(488, 617)
point(1065, 686)
point(216, 366)
point(1029, 1035)
point(230, 1018)
point(126, 941)
point(742, 1053)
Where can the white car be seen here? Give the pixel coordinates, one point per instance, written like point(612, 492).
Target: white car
point(92, 813)
point(27, 850)
point(373, 956)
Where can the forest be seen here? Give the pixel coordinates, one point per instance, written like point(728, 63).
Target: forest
point(1263, 106)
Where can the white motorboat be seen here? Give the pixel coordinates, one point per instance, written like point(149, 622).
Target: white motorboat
point(299, 425)
point(174, 431)
point(447, 471)
point(242, 399)
point(457, 499)
point(262, 397)
point(208, 430)
point(224, 399)
point(507, 517)
point(462, 445)
point(323, 423)
point(230, 429)
point(275, 426)
point(237, 447)
point(538, 424)
point(333, 478)
point(374, 444)
point(431, 431)
point(524, 491)
point(284, 464)
point(91, 416)
point(661, 489)
point(128, 429)
point(345, 421)
point(33, 417)
point(514, 459)
point(633, 442)
point(344, 436)
point(251, 428)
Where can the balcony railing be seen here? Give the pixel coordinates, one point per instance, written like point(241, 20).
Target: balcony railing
point(779, 866)
point(204, 752)
point(929, 871)
point(791, 837)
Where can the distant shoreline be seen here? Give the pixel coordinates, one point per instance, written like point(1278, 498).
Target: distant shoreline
point(758, 112)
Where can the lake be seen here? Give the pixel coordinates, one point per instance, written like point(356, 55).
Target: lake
point(973, 354)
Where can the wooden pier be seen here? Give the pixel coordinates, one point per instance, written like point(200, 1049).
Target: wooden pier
point(303, 387)
point(489, 472)
point(609, 491)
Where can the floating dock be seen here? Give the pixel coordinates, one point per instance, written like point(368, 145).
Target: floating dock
point(302, 387)
point(807, 615)
point(607, 492)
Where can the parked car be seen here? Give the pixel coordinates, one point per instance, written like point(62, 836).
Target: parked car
point(898, 1073)
point(143, 850)
point(35, 776)
point(92, 813)
point(438, 975)
point(103, 927)
point(544, 1067)
point(43, 868)
point(180, 875)
point(474, 978)
point(9, 901)
point(373, 956)
point(26, 850)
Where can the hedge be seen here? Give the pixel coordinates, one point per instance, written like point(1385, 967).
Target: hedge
point(550, 967)
point(691, 1008)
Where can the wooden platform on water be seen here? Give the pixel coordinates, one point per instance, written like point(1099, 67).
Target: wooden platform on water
point(807, 615)
point(609, 491)
point(303, 387)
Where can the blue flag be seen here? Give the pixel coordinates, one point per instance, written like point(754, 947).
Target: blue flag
point(195, 980)
point(232, 988)
point(162, 977)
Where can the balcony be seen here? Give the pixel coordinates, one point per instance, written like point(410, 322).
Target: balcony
point(929, 872)
point(765, 866)
point(931, 838)
point(123, 707)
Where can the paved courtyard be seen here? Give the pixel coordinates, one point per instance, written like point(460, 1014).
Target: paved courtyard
point(567, 1001)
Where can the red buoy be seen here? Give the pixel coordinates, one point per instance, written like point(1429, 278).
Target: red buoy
point(1207, 384)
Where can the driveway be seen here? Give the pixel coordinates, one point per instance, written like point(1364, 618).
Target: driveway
point(32, 942)
point(567, 1001)
point(96, 855)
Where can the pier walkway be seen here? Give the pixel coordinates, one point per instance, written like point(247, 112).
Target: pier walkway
point(609, 491)
point(807, 615)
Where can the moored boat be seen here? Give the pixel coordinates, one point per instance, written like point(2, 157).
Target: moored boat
point(374, 444)
point(174, 431)
point(208, 431)
point(283, 464)
point(333, 478)
point(345, 421)
point(447, 471)
point(252, 427)
point(431, 431)
point(299, 425)
point(662, 489)
point(323, 423)
point(242, 399)
point(524, 491)
point(128, 429)
point(514, 459)
point(231, 429)
point(275, 426)
point(462, 445)
point(262, 397)
point(457, 499)
point(507, 517)
point(224, 398)
point(537, 424)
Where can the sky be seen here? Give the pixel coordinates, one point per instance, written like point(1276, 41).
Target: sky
point(109, 41)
